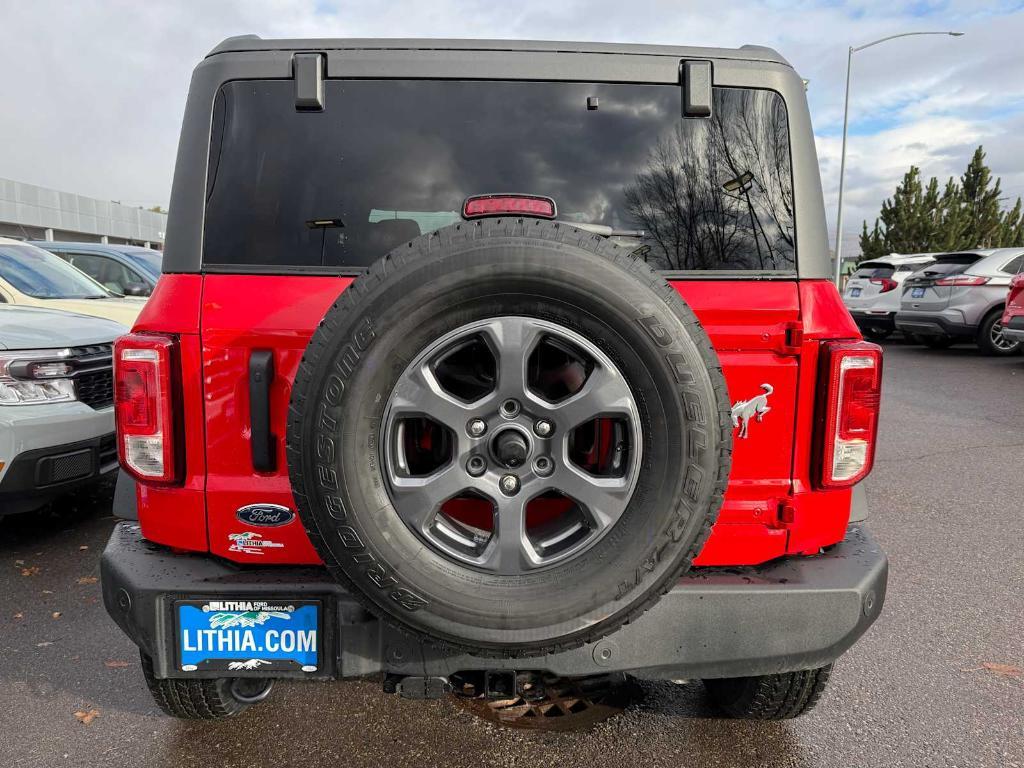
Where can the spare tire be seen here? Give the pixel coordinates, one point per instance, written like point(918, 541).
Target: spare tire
point(509, 436)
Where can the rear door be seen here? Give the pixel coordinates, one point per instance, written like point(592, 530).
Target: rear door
point(922, 291)
point(696, 199)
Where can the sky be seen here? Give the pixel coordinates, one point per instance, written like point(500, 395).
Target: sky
point(92, 93)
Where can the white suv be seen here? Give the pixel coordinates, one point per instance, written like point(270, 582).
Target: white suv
point(872, 293)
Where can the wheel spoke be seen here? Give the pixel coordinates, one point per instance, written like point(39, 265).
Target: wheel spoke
point(419, 394)
point(509, 550)
point(417, 499)
point(512, 339)
point(603, 498)
point(605, 393)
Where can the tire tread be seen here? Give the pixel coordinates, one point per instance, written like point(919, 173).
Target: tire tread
point(780, 696)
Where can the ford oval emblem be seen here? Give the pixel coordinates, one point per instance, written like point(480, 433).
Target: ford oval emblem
point(266, 515)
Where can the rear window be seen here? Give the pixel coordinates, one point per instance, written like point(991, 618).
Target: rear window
point(1014, 266)
point(874, 270)
point(949, 265)
point(389, 160)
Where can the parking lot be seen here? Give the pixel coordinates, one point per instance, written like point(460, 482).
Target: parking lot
point(937, 681)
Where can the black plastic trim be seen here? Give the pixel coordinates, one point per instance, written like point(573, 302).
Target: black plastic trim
point(933, 325)
point(26, 486)
point(866, 321)
point(262, 440)
point(126, 502)
point(309, 81)
point(697, 87)
point(789, 614)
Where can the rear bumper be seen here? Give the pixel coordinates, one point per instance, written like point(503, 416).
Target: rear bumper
point(935, 324)
point(1014, 329)
point(873, 318)
point(794, 613)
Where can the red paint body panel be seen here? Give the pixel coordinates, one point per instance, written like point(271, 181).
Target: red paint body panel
point(174, 306)
point(282, 320)
point(1014, 299)
point(764, 332)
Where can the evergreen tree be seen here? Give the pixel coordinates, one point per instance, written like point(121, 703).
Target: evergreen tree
point(967, 214)
point(872, 244)
point(981, 203)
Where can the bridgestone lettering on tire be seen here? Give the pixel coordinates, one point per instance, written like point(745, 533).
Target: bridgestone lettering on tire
point(385, 410)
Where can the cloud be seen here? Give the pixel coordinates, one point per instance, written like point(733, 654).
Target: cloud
point(94, 92)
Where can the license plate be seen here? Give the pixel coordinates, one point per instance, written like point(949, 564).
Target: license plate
point(854, 292)
point(245, 635)
point(917, 293)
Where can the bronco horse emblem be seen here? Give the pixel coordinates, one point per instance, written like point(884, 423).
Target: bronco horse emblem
point(756, 407)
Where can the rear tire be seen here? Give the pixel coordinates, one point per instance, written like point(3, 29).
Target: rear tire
point(990, 338)
point(769, 697)
point(936, 342)
point(204, 699)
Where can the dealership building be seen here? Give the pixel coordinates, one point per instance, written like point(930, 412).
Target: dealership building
point(28, 212)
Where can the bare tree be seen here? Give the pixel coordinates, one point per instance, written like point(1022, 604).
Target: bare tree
point(718, 193)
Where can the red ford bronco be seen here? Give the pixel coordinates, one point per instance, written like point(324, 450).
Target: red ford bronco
point(496, 369)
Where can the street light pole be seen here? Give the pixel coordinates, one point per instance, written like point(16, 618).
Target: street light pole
point(846, 120)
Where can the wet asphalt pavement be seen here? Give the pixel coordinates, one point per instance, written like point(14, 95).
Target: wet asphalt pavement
point(947, 501)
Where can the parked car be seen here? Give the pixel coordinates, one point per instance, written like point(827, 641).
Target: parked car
point(1013, 317)
point(30, 276)
point(961, 297)
point(872, 293)
point(470, 441)
point(129, 270)
point(56, 404)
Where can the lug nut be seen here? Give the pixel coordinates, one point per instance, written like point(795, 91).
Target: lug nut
point(543, 428)
point(509, 485)
point(510, 408)
point(476, 466)
point(476, 427)
point(543, 466)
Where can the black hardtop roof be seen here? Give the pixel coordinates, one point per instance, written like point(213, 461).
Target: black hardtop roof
point(256, 43)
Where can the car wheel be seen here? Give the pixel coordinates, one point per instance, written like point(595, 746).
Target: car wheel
point(769, 697)
point(936, 342)
point(509, 436)
point(207, 699)
point(990, 336)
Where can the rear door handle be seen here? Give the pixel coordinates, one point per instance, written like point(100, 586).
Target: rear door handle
point(262, 440)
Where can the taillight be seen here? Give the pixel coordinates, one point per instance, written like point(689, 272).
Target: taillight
point(478, 206)
point(850, 381)
point(962, 280)
point(145, 387)
point(1016, 287)
point(887, 283)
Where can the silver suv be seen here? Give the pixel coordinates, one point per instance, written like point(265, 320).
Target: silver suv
point(872, 293)
point(960, 297)
point(56, 404)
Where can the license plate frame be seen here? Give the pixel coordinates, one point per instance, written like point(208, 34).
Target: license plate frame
point(854, 293)
point(917, 293)
point(247, 648)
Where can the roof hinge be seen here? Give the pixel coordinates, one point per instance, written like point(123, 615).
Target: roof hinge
point(308, 70)
point(696, 80)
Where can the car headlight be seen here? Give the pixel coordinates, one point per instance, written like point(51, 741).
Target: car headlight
point(36, 376)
